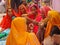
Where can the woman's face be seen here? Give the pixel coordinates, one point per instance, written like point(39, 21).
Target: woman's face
point(21, 8)
point(33, 10)
point(9, 12)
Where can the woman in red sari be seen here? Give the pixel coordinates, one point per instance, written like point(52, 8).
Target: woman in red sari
point(36, 16)
point(6, 21)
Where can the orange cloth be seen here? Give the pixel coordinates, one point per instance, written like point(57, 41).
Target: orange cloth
point(18, 34)
point(54, 20)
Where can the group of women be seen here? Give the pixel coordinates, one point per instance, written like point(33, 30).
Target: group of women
point(31, 25)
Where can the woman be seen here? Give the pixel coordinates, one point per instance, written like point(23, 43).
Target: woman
point(46, 26)
point(18, 33)
point(36, 16)
point(54, 20)
point(21, 10)
point(33, 15)
point(6, 21)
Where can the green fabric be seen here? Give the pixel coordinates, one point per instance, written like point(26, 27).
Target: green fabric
point(2, 35)
point(28, 1)
point(13, 17)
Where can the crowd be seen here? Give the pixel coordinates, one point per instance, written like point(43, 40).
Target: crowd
point(31, 24)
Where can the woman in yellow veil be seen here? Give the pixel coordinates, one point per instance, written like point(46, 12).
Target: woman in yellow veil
point(19, 35)
point(54, 20)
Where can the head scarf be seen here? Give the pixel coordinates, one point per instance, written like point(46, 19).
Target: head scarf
point(38, 17)
point(18, 34)
point(23, 7)
point(54, 20)
point(38, 11)
point(19, 13)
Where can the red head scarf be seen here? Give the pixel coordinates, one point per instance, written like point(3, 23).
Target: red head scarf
point(37, 9)
point(34, 5)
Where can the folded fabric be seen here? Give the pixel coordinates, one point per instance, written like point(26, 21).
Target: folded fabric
point(4, 33)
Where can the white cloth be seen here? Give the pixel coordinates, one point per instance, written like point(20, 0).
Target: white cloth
point(48, 41)
point(2, 2)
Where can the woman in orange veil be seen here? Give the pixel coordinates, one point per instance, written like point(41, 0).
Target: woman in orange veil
point(54, 20)
point(19, 35)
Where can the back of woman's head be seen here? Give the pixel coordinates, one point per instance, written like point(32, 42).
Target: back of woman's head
point(19, 24)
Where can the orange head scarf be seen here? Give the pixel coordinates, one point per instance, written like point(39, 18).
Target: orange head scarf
point(54, 20)
point(18, 34)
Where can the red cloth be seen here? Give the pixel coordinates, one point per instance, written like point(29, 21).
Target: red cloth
point(38, 18)
point(6, 22)
point(45, 10)
point(38, 11)
point(16, 14)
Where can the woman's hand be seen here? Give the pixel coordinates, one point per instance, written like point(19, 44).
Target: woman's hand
point(24, 15)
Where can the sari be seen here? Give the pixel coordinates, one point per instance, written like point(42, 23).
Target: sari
point(54, 20)
point(19, 35)
point(6, 22)
point(38, 18)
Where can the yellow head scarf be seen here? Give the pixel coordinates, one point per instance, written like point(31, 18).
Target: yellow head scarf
point(54, 20)
point(18, 34)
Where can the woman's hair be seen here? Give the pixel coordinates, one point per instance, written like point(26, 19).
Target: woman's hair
point(55, 30)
